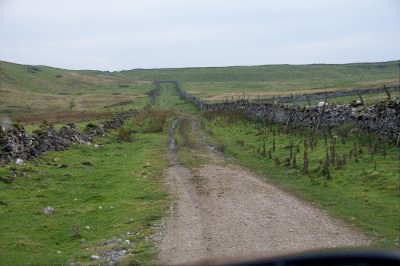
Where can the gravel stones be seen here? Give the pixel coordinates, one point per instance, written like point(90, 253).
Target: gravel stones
point(94, 257)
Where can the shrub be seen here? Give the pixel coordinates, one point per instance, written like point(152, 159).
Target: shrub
point(221, 148)
point(125, 134)
point(76, 231)
point(33, 69)
point(90, 126)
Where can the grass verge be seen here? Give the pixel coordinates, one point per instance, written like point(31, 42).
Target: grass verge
point(365, 191)
point(97, 192)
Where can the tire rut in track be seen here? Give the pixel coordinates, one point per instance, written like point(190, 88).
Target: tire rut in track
point(224, 210)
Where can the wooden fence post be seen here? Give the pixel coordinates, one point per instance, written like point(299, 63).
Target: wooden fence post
point(320, 116)
point(308, 100)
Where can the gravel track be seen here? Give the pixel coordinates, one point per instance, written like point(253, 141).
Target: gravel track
point(223, 210)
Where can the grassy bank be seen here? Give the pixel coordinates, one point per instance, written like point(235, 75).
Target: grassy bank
point(97, 192)
point(361, 186)
point(39, 90)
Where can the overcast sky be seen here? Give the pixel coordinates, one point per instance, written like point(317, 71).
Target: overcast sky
point(127, 34)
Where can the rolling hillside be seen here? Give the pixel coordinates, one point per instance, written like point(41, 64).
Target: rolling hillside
point(216, 83)
point(32, 90)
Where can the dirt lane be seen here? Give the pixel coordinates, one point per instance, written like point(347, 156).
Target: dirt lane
point(224, 210)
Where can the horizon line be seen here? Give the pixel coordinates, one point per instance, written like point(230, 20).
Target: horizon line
point(195, 67)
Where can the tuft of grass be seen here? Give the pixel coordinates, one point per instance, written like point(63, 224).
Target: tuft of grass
point(150, 121)
point(125, 134)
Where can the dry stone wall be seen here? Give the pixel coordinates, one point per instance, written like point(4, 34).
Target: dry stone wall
point(382, 118)
point(332, 94)
point(16, 144)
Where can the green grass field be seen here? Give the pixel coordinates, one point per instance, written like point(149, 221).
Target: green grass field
point(120, 190)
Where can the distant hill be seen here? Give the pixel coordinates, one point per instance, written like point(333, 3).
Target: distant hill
point(55, 80)
point(217, 83)
point(272, 73)
point(31, 90)
point(26, 89)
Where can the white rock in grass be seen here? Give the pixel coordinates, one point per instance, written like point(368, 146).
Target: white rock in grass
point(19, 161)
point(48, 211)
point(94, 257)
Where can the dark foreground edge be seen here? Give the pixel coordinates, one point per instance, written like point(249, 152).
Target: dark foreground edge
point(342, 257)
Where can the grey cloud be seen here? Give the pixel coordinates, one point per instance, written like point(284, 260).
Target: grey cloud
point(126, 34)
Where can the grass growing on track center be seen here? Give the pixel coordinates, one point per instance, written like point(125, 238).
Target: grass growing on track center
point(356, 192)
point(191, 153)
point(169, 99)
point(190, 150)
point(117, 190)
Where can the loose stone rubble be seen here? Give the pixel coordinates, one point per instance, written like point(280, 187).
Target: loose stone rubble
point(16, 144)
